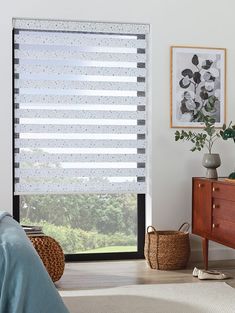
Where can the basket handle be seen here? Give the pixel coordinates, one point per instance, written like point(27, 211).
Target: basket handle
point(148, 236)
point(186, 225)
point(153, 228)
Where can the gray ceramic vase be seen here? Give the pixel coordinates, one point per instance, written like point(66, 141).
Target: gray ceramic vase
point(211, 161)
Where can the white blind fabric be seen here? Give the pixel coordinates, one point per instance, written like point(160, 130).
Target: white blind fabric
point(80, 115)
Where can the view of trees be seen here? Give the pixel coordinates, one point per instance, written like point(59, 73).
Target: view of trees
point(84, 222)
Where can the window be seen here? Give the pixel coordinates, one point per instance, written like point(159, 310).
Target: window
point(80, 127)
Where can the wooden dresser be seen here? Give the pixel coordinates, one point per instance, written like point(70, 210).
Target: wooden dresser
point(213, 212)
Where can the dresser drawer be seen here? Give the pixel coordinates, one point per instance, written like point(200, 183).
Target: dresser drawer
point(223, 209)
point(223, 231)
point(223, 191)
point(202, 207)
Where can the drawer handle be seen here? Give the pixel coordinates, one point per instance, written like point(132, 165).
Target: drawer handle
point(215, 225)
point(215, 189)
point(215, 206)
point(200, 185)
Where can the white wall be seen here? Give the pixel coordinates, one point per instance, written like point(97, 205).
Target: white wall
point(208, 23)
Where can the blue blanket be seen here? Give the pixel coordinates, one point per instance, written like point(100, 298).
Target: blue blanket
point(25, 286)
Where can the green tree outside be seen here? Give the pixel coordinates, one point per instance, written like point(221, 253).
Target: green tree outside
point(83, 222)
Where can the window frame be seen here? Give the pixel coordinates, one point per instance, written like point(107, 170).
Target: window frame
point(139, 254)
point(141, 207)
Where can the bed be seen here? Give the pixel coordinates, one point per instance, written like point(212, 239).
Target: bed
point(25, 286)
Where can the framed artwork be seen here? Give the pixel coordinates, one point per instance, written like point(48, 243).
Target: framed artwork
point(198, 84)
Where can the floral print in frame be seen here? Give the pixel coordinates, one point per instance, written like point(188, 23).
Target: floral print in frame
point(197, 85)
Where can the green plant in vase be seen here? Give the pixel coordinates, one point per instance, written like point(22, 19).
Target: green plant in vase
point(206, 139)
point(229, 133)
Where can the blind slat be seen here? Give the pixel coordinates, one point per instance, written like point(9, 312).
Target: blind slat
point(81, 85)
point(79, 70)
point(76, 157)
point(122, 187)
point(78, 143)
point(70, 39)
point(34, 54)
point(79, 114)
point(65, 99)
point(85, 129)
point(79, 172)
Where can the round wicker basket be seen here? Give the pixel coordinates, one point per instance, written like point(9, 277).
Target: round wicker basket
point(167, 250)
point(51, 255)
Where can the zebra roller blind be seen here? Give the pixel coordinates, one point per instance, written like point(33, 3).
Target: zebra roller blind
point(79, 107)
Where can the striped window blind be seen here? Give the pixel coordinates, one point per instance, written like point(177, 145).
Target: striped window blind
point(79, 107)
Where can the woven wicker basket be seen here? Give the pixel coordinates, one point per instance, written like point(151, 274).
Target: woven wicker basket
point(167, 250)
point(51, 255)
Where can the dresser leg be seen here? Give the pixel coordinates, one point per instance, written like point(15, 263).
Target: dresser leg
point(205, 252)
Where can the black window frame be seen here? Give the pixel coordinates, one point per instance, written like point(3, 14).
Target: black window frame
point(141, 207)
point(139, 254)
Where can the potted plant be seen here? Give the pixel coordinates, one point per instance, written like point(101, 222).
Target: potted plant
point(206, 139)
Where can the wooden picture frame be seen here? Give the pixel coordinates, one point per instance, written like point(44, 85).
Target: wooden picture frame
point(197, 84)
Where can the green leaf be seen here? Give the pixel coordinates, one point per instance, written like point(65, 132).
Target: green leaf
point(212, 100)
point(212, 120)
point(177, 137)
point(208, 130)
point(208, 107)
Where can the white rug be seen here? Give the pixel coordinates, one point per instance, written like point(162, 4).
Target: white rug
point(216, 297)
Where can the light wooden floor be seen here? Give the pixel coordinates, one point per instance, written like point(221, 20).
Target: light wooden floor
point(92, 275)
